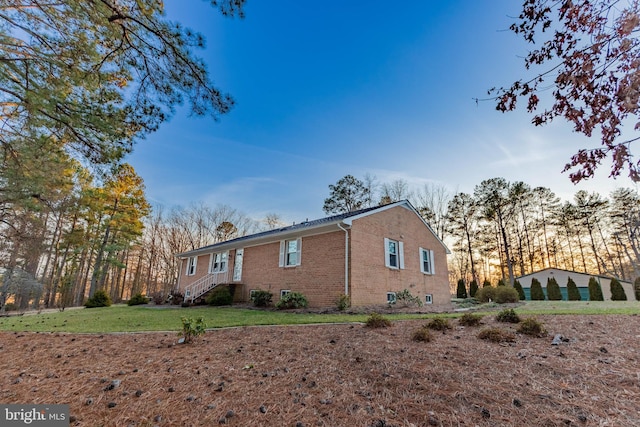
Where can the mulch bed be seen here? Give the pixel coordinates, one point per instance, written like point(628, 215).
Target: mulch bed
point(335, 375)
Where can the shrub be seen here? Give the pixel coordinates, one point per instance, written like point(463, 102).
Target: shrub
point(486, 283)
point(10, 307)
point(501, 282)
point(343, 302)
point(261, 298)
point(137, 299)
point(486, 294)
point(508, 316)
point(537, 294)
point(473, 288)
point(422, 335)
point(595, 291)
point(573, 293)
point(617, 291)
point(636, 288)
point(158, 298)
point(438, 324)
point(376, 320)
point(496, 335)
point(469, 319)
point(292, 300)
point(405, 298)
point(192, 329)
point(531, 326)
point(506, 294)
point(461, 291)
point(518, 287)
point(100, 298)
point(553, 290)
point(176, 297)
point(220, 295)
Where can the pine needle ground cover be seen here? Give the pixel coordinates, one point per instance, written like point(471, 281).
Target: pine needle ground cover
point(334, 375)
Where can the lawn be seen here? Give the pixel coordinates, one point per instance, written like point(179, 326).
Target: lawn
point(122, 318)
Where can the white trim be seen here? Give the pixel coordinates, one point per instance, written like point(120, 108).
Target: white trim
point(429, 253)
point(284, 292)
point(428, 299)
point(189, 266)
point(386, 253)
point(237, 265)
point(281, 259)
point(401, 255)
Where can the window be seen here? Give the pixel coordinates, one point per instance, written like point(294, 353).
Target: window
point(393, 253)
point(219, 262)
point(428, 299)
point(391, 297)
point(252, 294)
point(237, 265)
point(284, 292)
point(192, 262)
point(426, 261)
point(290, 251)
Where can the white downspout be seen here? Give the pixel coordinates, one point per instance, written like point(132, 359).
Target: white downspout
point(346, 259)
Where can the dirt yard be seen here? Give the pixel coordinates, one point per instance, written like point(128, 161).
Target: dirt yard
point(335, 375)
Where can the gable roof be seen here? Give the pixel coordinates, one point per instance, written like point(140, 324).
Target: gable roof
point(550, 270)
point(316, 226)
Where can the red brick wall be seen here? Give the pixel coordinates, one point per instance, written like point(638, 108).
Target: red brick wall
point(371, 279)
point(320, 275)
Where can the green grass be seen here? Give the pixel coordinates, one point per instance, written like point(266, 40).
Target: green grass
point(121, 318)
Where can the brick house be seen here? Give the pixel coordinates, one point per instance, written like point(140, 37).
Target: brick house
point(367, 254)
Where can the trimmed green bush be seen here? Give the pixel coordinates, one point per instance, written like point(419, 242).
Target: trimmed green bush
point(506, 294)
point(536, 290)
point(100, 298)
point(261, 298)
point(422, 335)
point(473, 288)
point(292, 300)
point(376, 320)
point(553, 290)
point(496, 335)
point(617, 291)
point(461, 291)
point(220, 295)
point(508, 316)
point(531, 326)
point(572, 290)
point(595, 290)
point(486, 294)
point(138, 299)
point(518, 287)
point(470, 319)
point(486, 283)
point(438, 324)
point(636, 288)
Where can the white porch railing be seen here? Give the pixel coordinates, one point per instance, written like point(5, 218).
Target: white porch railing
point(204, 284)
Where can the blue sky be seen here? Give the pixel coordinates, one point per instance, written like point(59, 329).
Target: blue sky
point(325, 89)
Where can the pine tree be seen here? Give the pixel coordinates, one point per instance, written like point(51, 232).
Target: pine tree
point(518, 287)
point(501, 282)
point(461, 292)
point(572, 290)
point(617, 291)
point(595, 291)
point(537, 293)
point(553, 290)
point(473, 288)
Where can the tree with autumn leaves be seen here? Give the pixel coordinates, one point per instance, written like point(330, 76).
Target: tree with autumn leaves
point(585, 59)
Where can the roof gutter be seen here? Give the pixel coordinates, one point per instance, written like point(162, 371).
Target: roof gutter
point(346, 258)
